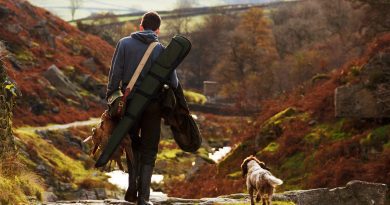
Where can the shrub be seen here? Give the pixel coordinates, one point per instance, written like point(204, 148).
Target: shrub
point(195, 97)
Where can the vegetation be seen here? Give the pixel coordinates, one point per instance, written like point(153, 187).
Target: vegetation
point(194, 97)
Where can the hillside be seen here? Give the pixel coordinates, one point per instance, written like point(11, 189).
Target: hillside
point(36, 40)
point(301, 140)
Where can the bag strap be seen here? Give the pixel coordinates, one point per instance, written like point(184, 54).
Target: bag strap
point(140, 67)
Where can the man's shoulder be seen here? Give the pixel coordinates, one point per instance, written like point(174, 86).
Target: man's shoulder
point(126, 40)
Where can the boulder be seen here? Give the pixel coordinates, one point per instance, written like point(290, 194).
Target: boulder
point(354, 193)
point(90, 64)
point(356, 101)
point(371, 97)
point(59, 80)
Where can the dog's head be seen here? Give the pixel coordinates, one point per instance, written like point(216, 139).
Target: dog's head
point(244, 165)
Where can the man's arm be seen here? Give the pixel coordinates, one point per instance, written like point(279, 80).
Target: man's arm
point(116, 70)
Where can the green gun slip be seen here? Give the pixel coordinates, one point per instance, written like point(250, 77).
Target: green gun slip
point(159, 73)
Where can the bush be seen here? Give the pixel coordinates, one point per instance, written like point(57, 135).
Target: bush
point(195, 97)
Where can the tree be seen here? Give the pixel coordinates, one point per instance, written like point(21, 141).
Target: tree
point(7, 92)
point(245, 69)
point(181, 23)
point(74, 6)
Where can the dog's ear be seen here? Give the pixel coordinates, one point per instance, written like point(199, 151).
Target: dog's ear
point(262, 165)
point(244, 167)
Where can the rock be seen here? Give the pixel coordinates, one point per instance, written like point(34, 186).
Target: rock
point(354, 193)
point(58, 80)
point(64, 186)
point(38, 107)
point(90, 64)
point(101, 193)
point(356, 101)
point(93, 86)
point(87, 194)
point(49, 197)
point(313, 122)
point(4, 12)
point(55, 110)
point(371, 97)
point(41, 31)
point(16, 64)
point(13, 28)
point(41, 168)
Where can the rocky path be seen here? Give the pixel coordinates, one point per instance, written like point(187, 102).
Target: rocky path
point(92, 121)
point(354, 193)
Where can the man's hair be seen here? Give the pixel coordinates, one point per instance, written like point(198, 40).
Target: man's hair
point(151, 21)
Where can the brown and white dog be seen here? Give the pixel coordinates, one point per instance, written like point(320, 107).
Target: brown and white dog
point(259, 179)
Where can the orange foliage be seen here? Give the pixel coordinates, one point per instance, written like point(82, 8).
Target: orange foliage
point(30, 80)
point(334, 163)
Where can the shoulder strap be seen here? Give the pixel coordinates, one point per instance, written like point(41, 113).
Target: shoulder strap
point(140, 67)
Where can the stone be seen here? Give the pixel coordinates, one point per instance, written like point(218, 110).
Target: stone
point(42, 32)
point(64, 186)
point(90, 64)
point(100, 193)
point(87, 194)
point(93, 86)
point(356, 101)
point(49, 196)
point(61, 82)
point(4, 12)
point(371, 97)
point(354, 193)
point(55, 110)
point(13, 28)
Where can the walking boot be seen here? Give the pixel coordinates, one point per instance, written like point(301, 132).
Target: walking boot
point(144, 182)
point(133, 170)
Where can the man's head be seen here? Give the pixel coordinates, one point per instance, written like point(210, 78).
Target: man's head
point(151, 21)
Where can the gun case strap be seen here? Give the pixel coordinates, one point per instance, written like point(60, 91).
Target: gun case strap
point(140, 67)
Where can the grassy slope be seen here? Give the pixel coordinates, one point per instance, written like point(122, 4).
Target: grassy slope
point(304, 144)
point(34, 54)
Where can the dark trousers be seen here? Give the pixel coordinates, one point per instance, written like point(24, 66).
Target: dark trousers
point(145, 135)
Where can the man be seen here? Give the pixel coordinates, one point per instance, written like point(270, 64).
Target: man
point(127, 56)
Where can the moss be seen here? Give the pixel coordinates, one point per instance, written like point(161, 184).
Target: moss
point(25, 56)
point(320, 77)
point(271, 147)
point(294, 162)
point(276, 119)
point(235, 175)
point(326, 132)
point(195, 97)
point(64, 168)
point(377, 138)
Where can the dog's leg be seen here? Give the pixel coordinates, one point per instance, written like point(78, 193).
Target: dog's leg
point(258, 196)
point(250, 191)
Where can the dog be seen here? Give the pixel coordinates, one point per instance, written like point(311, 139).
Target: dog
point(100, 136)
point(259, 179)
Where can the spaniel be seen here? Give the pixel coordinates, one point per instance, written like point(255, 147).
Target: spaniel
point(259, 179)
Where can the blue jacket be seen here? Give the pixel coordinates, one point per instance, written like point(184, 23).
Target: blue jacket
point(128, 53)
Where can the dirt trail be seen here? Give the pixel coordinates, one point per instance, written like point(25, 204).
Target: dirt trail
point(54, 127)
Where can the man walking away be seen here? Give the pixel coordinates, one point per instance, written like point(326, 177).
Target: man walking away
point(127, 56)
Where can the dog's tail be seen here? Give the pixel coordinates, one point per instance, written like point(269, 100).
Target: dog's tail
point(273, 180)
